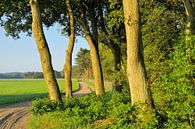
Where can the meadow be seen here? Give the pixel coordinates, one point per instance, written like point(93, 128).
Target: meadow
point(20, 90)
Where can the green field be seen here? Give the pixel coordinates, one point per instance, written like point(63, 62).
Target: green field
point(18, 90)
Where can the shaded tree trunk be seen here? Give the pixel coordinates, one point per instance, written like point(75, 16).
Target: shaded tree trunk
point(116, 51)
point(48, 72)
point(190, 13)
point(117, 62)
point(68, 64)
point(139, 90)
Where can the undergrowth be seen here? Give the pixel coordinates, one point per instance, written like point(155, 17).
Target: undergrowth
point(113, 110)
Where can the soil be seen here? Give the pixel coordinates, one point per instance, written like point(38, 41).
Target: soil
point(16, 116)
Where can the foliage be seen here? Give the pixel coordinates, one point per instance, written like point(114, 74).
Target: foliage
point(159, 30)
point(88, 112)
point(107, 62)
point(169, 55)
point(83, 65)
point(174, 91)
point(15, 16)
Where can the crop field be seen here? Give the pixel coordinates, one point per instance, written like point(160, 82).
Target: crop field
point(19, 90)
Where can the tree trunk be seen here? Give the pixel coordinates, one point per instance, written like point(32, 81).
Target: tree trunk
point(92, 39)
point(117, 62)
point(135, 65)
point(48, 72)
point(68, 64)
point(97, 70)
point(190, 13)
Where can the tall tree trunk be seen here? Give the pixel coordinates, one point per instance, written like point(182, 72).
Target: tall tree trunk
point(92, 39)
point(68, 64)
point(97, 70)
point(135, 64)
point(190, 13)
point(48, 72)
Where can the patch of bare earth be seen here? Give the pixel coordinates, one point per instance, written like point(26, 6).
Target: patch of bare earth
point(103, 122)
point(16, 116)
point(84, 90)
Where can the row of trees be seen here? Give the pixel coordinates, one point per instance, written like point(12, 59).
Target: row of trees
point(28, 75)
point(117, 24)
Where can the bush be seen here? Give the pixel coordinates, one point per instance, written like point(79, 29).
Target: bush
point(113, 110)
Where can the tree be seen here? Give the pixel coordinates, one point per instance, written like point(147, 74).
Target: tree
point(135, 63)
point(91, 35)
point(83, 64)
point(17, 18)
point(37, 29)
point(68, 65)
point(112, 34)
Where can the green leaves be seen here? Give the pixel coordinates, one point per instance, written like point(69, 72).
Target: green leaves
point(177, 87)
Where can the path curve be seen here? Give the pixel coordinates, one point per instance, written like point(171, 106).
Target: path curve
point(16, 116)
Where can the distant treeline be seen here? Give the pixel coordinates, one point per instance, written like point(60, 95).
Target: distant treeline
point(32, 75)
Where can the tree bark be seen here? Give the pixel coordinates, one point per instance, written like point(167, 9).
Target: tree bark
point(97, 70)
point(135, 64)
point(48, 72)
point(190, 13)
point(68, 64)
point(92, 39)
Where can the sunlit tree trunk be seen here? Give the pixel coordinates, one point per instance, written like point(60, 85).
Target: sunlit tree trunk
point(97, 70)
point(135, 64)
point(48, 72)
point(92, 39)
point(68, 64)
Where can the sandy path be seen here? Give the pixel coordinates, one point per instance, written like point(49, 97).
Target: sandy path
point(16, 116)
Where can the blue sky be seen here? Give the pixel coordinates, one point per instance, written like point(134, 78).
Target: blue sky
point(21, 55)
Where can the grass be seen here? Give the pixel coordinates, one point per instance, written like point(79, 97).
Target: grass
point(20, 90)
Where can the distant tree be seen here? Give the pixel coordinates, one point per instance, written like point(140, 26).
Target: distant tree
point(57, 74)
point(83, 63)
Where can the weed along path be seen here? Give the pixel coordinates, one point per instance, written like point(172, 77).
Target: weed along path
point(16, 116)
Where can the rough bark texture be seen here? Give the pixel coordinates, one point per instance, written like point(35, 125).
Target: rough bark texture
point(48, 72)
point(190, 13)
point(135, 66)
point(97, 70)
point(68, 64)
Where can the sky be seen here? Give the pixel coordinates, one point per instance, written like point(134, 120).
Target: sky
point(21, 55)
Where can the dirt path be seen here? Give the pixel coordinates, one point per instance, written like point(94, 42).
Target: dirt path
point(16, 116)
point(84, 90)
